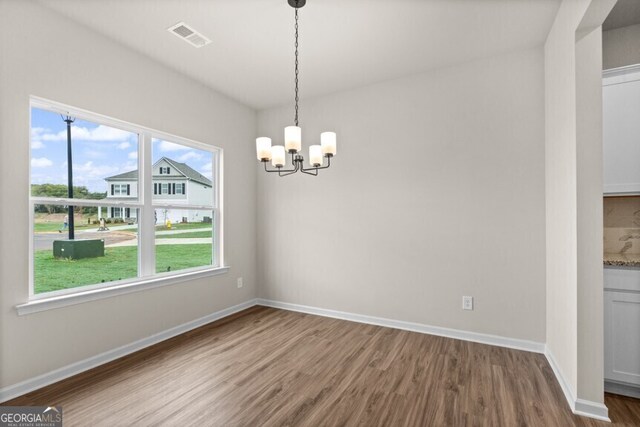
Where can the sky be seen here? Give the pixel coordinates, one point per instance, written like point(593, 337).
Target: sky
point(99, 151)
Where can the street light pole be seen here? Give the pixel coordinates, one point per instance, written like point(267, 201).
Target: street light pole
point(69, 120)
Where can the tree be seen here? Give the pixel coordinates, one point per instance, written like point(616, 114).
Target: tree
point(60, 191)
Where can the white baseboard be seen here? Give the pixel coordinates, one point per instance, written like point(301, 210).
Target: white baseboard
point(496, 340)
point(582, 407)
point(615, 387)
point(13, 391)
point(588, 408)
point(564, 385)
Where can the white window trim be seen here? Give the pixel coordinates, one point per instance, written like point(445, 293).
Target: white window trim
point(102, 291)
point(147, 277)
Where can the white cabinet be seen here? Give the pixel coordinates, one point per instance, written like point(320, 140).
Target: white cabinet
point(622, 330)
point(622, 337)
point(621, 130)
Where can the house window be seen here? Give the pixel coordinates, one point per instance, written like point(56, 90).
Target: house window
point(120, 189)
point(139, 238)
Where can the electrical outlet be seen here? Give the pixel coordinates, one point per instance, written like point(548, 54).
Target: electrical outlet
point(240, 282)
point(467, 303)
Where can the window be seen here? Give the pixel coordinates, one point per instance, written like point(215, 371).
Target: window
point(126, 226)
point(116, 212)
point(120, 189)
point(186, 235)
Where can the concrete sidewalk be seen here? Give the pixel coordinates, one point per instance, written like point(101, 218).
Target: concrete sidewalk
point(134, 242)
point(188, 230)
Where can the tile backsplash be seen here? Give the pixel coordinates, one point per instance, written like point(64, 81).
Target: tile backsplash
point(622, 225)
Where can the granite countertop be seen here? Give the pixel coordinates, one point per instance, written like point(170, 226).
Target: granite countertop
point(624, 260)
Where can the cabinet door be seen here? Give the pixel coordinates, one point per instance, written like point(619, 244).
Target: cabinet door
point(621, 133)
point(622, 336)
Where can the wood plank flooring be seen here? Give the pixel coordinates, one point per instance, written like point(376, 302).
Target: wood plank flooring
point(269, 367)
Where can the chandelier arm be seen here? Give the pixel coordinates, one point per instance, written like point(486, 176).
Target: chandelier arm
point(314, 173)
point(290, 172)
point(277, 170)
point(318, 167)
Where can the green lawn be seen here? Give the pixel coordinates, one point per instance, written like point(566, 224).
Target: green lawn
point(118, 263)
point(179, 257)
point(43, 227)
point(191, 235)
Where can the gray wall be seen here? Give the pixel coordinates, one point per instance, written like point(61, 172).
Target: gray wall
point(49, 56)
point(621, 47)
point(437, 191)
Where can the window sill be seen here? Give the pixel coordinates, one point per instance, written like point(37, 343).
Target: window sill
point(44, 304)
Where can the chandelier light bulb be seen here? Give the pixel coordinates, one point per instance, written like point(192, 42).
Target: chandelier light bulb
point(277, 156)
point(315, 155)
point(328, 142)
point(263, 148)
point(292, 138)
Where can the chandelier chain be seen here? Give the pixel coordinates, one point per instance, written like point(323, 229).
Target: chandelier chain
point(296, 75)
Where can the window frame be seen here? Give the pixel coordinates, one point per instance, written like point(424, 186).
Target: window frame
point(144, 202)
point(120, 190)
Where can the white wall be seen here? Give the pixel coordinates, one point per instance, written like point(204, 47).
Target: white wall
point(621, 47)
point(590, 223)
point(561, 204)
point(49, 56)
point(573, 174)
point(437, 191)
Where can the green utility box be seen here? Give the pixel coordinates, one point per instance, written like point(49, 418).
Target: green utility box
point(78, 249)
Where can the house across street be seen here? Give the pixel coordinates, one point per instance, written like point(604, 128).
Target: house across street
point(173, 182)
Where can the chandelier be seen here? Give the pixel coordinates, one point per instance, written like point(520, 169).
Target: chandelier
point(293, 135)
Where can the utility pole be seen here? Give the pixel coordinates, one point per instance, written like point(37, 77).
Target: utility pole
point(69, 120)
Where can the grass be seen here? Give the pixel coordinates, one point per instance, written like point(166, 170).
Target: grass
point(44, 227)
point(179, 257)
point(119, 263)
point(190, 235)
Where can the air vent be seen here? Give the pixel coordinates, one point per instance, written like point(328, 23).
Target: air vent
point(189, 35)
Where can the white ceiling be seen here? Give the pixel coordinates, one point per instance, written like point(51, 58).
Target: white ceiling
point(344, 43)
point(624, 13)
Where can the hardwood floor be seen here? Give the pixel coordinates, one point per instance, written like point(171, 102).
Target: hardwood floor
point(268, 367)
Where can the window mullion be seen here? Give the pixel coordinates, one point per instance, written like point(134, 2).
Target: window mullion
point(218, 216)
point(146, 233)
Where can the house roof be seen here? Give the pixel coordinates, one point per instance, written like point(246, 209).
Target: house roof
point(126, 175)
point(183, 168)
